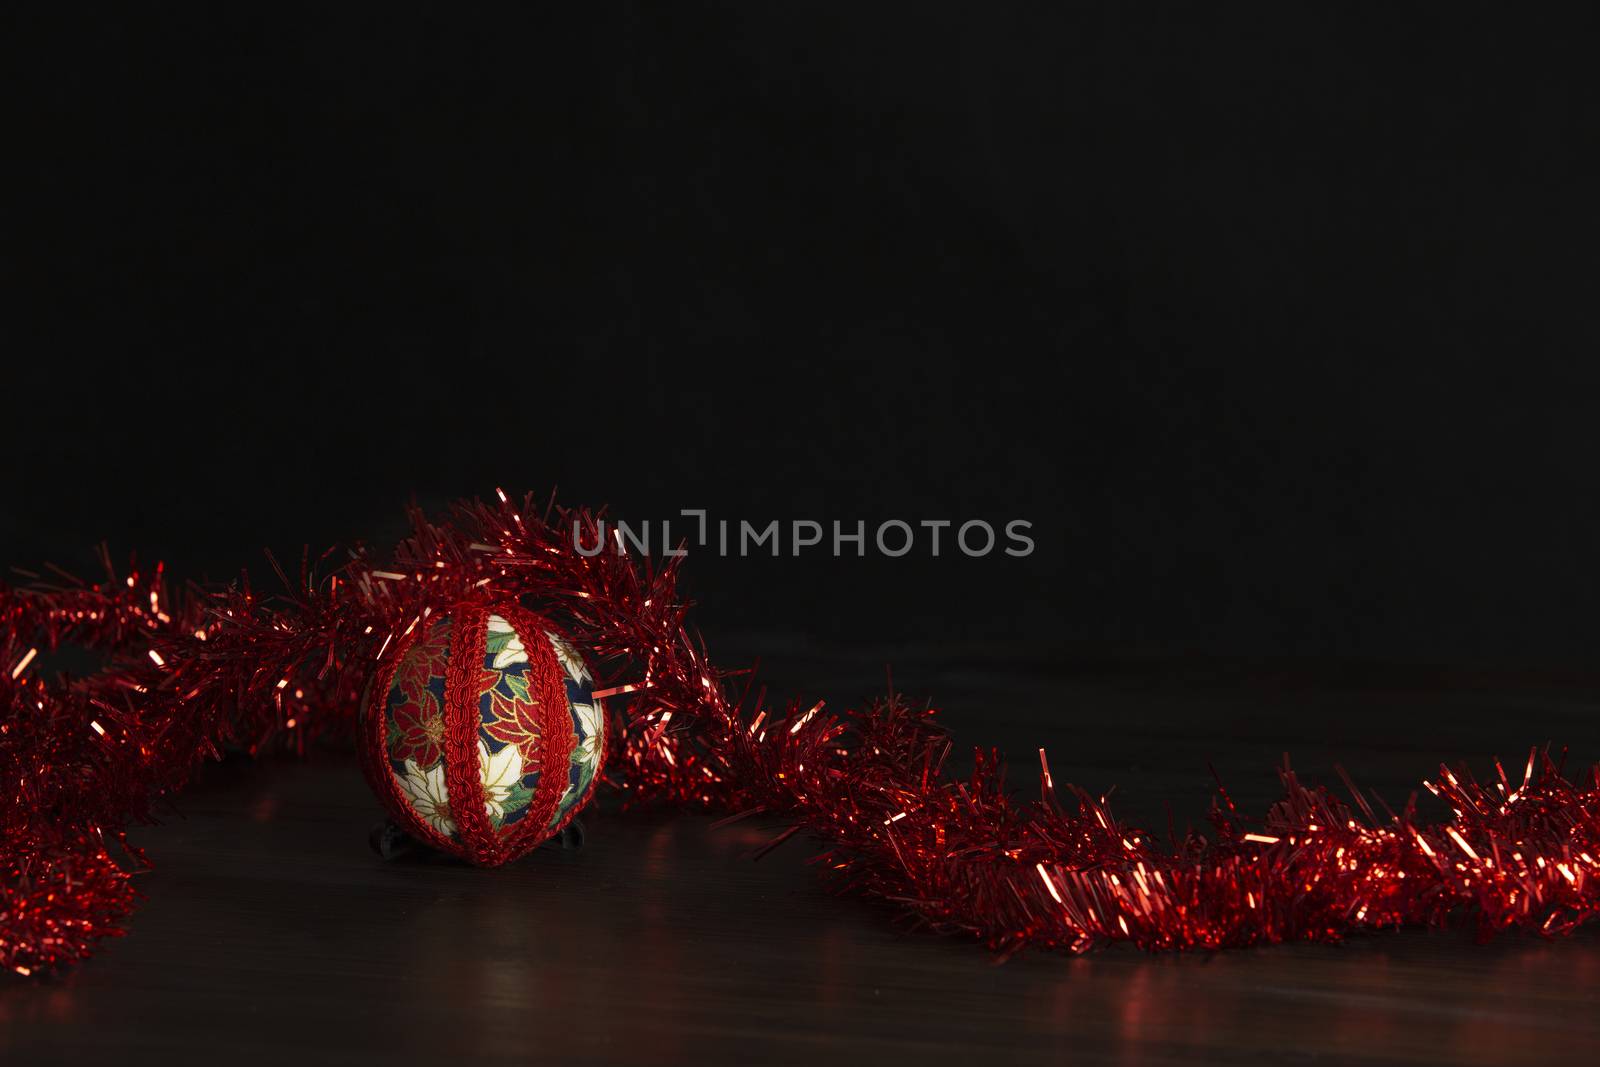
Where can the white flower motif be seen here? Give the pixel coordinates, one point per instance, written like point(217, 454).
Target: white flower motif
point(426, 791)
point(502, 772)
point(591, 720)
point(568, 656)
point(512, 651)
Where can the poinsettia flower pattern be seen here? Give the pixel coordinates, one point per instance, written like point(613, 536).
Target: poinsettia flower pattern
point(424, 661)
point(511, 717)
point(569, 659)
point(502, 775)
point(426, 790)
point(505, 647)
point(429, 798)
point(511, 713)
point(415, 728)
point(417, 731)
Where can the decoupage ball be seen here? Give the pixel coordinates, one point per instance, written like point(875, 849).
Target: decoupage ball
point(481, 733)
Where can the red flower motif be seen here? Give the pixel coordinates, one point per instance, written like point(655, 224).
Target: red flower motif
point(488, 679)
point(417, 732)
point(424, 661)
point(516, 716)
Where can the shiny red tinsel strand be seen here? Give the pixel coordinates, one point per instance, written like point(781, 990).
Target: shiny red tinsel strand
point(190, 675)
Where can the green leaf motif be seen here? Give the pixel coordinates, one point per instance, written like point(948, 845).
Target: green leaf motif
point(519, 797)
point(518, 684)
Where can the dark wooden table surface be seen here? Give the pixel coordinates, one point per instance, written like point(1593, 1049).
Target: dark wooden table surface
point(272, 934)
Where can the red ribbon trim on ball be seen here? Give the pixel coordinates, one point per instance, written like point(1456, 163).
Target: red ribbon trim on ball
point(556, 737)
point(476, 838)
point(463, 776)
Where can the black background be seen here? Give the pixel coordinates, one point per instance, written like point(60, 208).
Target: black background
point(1278, 325)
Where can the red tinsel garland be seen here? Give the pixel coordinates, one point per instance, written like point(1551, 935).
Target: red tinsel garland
point(82, 760)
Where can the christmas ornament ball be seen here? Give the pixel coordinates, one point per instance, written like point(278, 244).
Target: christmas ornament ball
point(481, 733)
